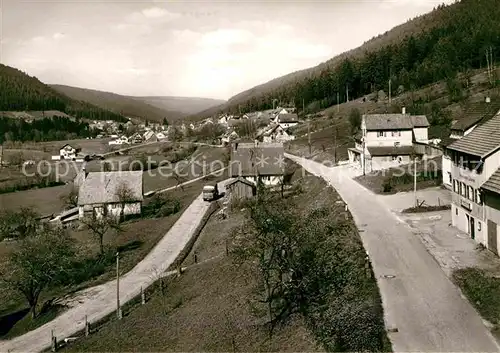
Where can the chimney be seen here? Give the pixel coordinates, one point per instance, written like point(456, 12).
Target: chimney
point(403, 111)
point(488, 100)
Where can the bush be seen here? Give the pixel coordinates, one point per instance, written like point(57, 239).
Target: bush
point(161, 206)
point(387, 186)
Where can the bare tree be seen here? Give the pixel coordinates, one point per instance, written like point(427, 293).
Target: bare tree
point(100, 226)
point(18, 224)
point(37, 263)
point(125, 195)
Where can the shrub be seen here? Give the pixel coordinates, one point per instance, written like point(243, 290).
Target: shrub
point(161, 206)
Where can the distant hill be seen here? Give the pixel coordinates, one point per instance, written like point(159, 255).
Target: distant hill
point(124, 105)
point(185, 105)
point(428, 49)
point(21, 92)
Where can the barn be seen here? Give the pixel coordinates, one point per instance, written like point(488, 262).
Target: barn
point(241, 188)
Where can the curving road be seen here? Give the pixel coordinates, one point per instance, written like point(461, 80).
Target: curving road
point(427, 310)
point(99, 301)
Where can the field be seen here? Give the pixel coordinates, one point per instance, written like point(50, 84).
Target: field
point(208, 307)
point(52, 147)
point(135, 241)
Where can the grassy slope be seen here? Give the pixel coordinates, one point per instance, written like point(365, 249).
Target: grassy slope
point(118, 103)
point(138, 236)
point(207, 309)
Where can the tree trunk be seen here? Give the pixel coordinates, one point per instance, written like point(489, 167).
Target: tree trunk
point(33, 310)
point(101, 244)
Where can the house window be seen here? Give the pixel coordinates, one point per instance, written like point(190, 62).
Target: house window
point(397, 144)
point(380, 133)
point(456, 211)
point(449, 177)
point(455, 186)
point(478, 197)
point(463, 189)
point(394, 158)
point(470, 193)
point(396, 133)
point(479, 226)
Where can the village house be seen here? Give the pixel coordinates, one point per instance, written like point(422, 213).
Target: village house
point(241, 188)
point(258, 162)
point(110, 194)
point(276, 134)
point(68, 152)
point(227, 138)
point(387, 140)
point(135, 138)
point(149, 136)
point(475, 163)
point(287, 120)
point(119, 141)
point(473, 116)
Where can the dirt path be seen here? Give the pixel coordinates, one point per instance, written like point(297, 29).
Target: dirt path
point(99, 301)
point(418, 298)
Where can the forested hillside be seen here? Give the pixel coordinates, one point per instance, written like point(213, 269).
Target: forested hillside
point(21, 92)
point(127, 106)
point(428, 49)
point(46, 129)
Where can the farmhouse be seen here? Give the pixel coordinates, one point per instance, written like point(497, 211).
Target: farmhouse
point(277, 134)
point(110, 193)
point(67, 152)
point(258, 162)
point(287, 120)
point(475, 173)
point(387, 140)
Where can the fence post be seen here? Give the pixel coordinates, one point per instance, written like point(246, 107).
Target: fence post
point(53, 341)
point(87, 326)
point(368, 267)
point(195, 255)
point(143, 296)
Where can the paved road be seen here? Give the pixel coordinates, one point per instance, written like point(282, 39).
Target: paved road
point(420, 301)
point(100, 301)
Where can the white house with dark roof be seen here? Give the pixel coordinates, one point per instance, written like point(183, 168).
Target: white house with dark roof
point(387, 140)
point(475, 177)
point(276, 134)
point(258, 162)
point(473, 116)
point(110, 193)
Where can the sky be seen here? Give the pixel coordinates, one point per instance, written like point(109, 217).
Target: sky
point(212, 49)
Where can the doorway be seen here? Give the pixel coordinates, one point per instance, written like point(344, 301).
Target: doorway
point(492, 237)
point(472, 229)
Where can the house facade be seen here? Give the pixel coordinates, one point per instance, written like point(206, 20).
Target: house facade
point(110, 194)
point(287, 120)
point(277, 134)
point(68, 152)
point(258, 162)
point(387, 140)
point(473, 116)
point(475, 176)
point(241, 188)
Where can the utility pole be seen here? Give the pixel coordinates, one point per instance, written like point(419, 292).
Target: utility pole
point(118, 308)
point(309, 134)
point(1, 155)
point(389, 90)
point(347, 92)
point(335, 145)
point(303, 107)
point(338, 102)
point(415, 180)
point(363, 156)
